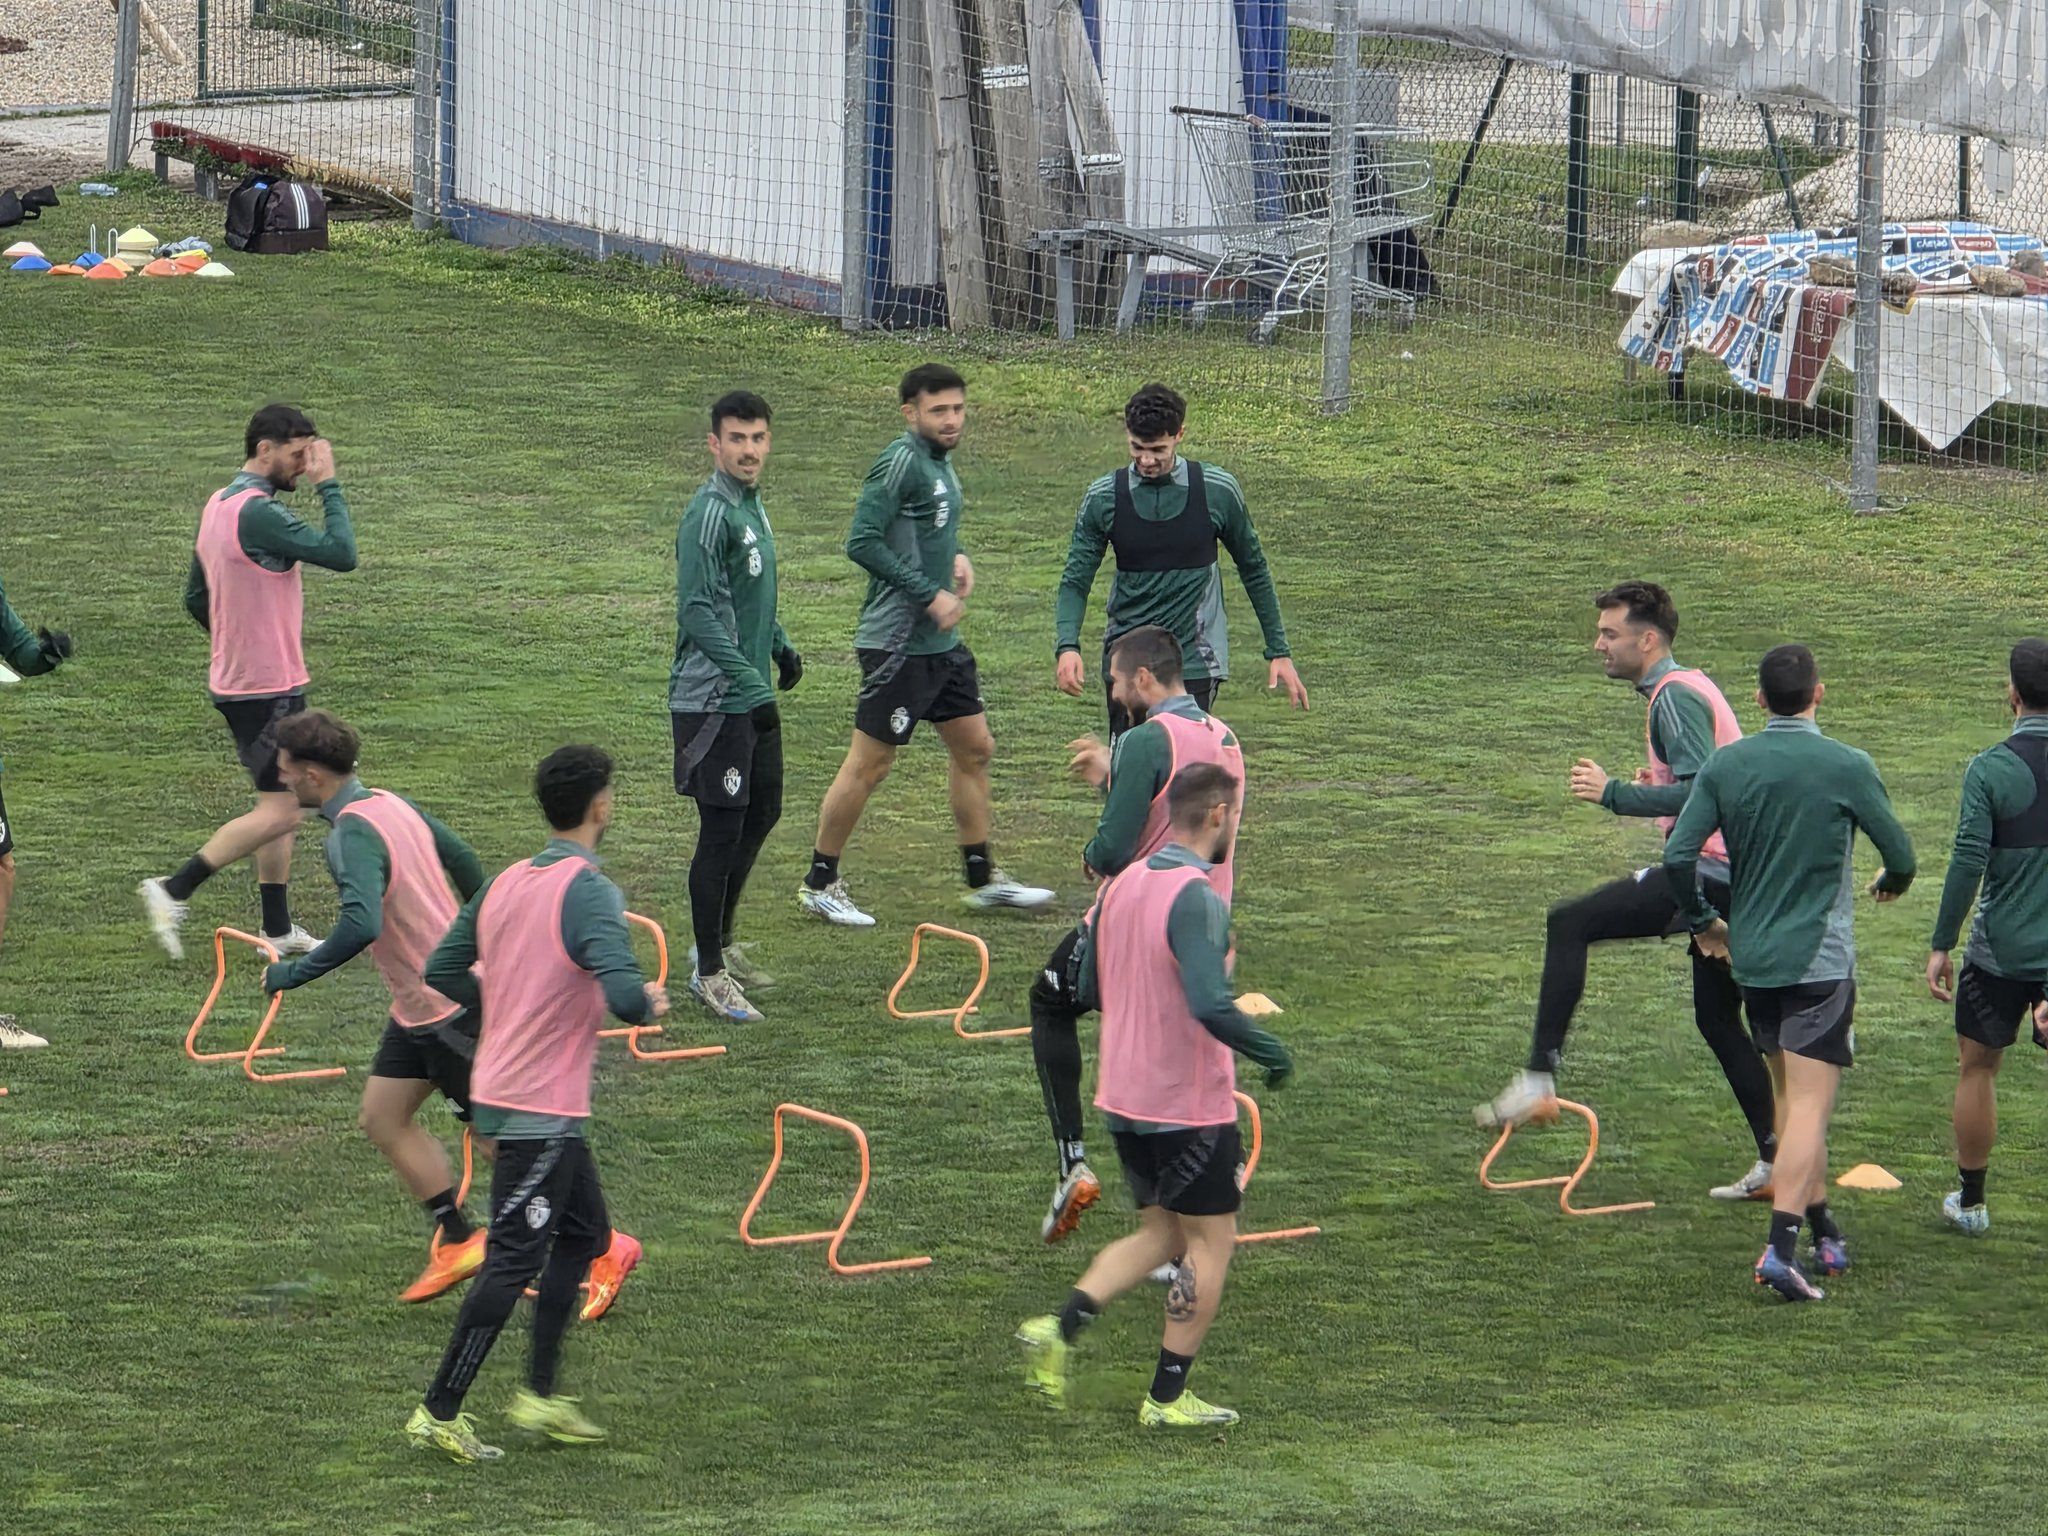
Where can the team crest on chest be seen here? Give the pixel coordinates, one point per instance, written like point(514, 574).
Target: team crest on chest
point(753, 562)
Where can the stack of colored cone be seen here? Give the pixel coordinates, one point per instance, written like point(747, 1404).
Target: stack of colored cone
point(134, 248)
point(21, 248)
point(107, 271)
point(163, 267)
point(35, 263)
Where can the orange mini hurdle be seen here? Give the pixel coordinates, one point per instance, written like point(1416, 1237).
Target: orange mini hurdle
point(1564, 1182)
point(834, 1235)
point(249, 1054)
point(957, 1015)
point(1251, 1163)
point(632, 1032)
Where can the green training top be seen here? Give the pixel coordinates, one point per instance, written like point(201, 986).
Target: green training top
point(19, 647)
point(1789, 801)
point(1682, 731)
point(1198, 933)
point(726, 631)
point(2010, 937)
point(276, 538)
point(1138, 772)
point(593, 932)
point(906, 531)
point(361, 866)
point(1190, 602)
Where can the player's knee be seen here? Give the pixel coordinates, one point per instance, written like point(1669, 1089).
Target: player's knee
point(871, 768)
point(1562, 921)
point(1050, 1004)
point(378, 1124)
point(976, 753)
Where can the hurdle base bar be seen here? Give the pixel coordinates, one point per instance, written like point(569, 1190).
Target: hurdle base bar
point(256, 1050)
point(834, 1236)
point(632, 1033)
point(1251, 1107)
point(1564, 1183)
point(957, 1015)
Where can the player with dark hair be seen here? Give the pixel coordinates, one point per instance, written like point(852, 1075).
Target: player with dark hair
point(1788, 802)
point(1687, 721)
point(1164, 517)
point(1173, 734)
point(21, 655)
point(906, 536)
point(542, 950)
point(722, 712)
point(246, 590)
point(1158, 963)
point(393, 865)
point(2002, 845)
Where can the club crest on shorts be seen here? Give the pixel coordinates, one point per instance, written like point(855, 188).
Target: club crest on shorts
point(732, 782)
point(753, 562)
point(899, 722)
point(537, 1212)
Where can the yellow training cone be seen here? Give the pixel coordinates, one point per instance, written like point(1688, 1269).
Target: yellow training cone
point(135, 240)
point(1867, 1176)
point(1257, 1004)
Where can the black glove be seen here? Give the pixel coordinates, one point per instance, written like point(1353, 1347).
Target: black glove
point(1275, 1076)
point(56, 645)
point(765, 718)
point(789, 670)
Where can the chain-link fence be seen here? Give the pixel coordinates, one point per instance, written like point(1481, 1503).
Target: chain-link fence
point(1152, 180)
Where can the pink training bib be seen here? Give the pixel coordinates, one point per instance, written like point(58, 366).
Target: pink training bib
point(419, 909)
point(1207, 740)
point(254, 616)
point(541, 1010)
point(1726, 729)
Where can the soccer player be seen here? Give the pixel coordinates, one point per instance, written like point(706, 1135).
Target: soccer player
point(1687, 721)
point(2002, 843)
point(1158, 962)
point(246, 591)
point(906, 536)
point(1789, 802)
point(393, 864)
point(23, 655)
point(1164, 515)
point(1144, 667)
point(548, 937)
point(727, 730)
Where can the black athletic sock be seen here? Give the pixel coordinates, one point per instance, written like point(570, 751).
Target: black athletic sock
point(824, 870)
point(277, 911)
point(191, 875)
point(974, 858)
point(447, 1215)
point(1077, 1314)
point(1973, 1184)
point(1784, 1235)
point(1822, 1222)
point(1170, 1376)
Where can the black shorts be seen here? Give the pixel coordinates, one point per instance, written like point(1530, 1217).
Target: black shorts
point(898, 691)
point(1991, 1008)
point(1816, 1019)
point(1202, 690)
point(440, 1054)
point(1190, 1172)
point(719, 758)
point(254, 722)
point(6, 830)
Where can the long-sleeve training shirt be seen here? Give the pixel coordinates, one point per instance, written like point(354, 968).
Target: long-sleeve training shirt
point(19, 646)
point(1143, 764)
point(727, 635)
point(906, 531)
point(1198, 933)
point(1187, 602)
point(2010, 936)
point(595, 936)
point(361, 865)
point(1789, 802)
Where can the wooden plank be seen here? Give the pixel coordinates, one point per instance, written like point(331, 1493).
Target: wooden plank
point(1101, 158)
point(963, 258)
point(1059, 178)
point(1015, 196)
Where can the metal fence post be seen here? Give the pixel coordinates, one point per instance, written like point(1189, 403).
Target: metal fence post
point(1870, 117)
point(426, 76)
point(854, 276)
point(1578, 175)
point(1685, 156)
point(1343, 207)
point(121, 107)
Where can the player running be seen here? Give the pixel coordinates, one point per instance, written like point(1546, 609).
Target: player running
point(21, 655)
point(1158, 961)
point(2002, 843)
point(246, 590)
point(906, 536)
point(727, 730)
point(1144, 667)
point(548, 939)
point(1164, 515)
point(1687, 721)
point(1789, 802)
point(392, 864)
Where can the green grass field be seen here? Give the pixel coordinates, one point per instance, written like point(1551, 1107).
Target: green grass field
point(199, 1333)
